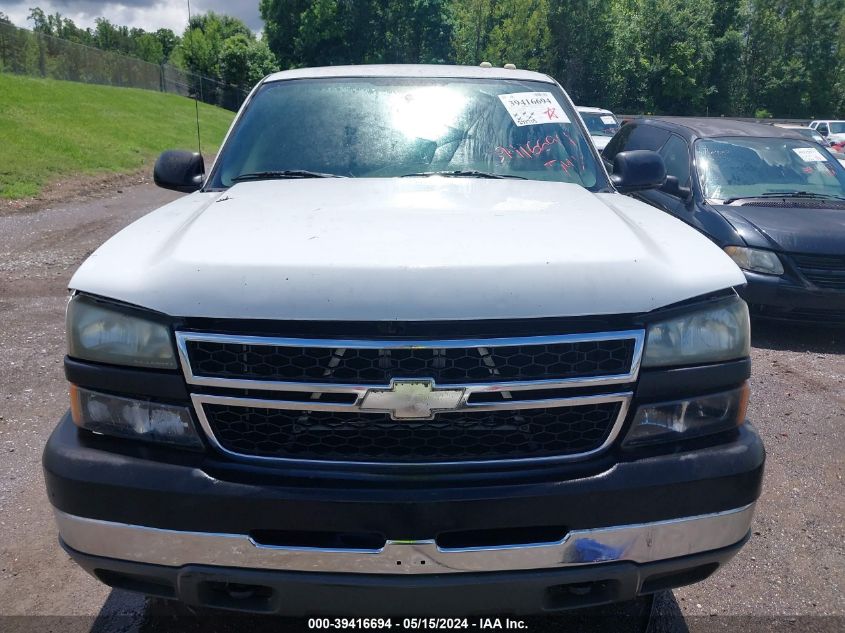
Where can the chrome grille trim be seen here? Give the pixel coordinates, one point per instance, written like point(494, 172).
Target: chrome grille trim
point(182, 339)
point(313, 405)
point(360, 391)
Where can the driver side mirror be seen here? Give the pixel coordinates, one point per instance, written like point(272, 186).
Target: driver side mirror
point(638, 170)
point(179, 170)
point(673, 187)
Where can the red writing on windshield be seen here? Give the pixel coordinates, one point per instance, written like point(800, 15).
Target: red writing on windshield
point(565, 165)
point(528, 150)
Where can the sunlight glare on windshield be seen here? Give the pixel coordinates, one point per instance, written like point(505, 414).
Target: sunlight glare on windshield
point(426, 112)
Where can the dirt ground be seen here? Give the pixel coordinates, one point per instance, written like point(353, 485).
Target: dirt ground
point(790, 576)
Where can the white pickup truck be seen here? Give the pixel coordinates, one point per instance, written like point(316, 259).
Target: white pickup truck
point(406, 348)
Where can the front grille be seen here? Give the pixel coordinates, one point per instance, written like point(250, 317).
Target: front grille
point(825, 271)
point(459, 436)
point(376, 366)
point(819, 315)
point(411, 401)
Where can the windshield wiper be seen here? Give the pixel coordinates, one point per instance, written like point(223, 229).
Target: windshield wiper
point(799, 194)
point(285, 173)
point(786, 194)
point(468, 173)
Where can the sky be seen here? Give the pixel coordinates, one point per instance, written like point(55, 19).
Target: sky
point(146, 14)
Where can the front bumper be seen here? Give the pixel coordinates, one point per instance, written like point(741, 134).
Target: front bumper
point(384, 595)
point(784, 298)
point(183, 526)
point(637, 543)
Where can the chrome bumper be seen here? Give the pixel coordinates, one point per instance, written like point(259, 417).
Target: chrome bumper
point(638, 543)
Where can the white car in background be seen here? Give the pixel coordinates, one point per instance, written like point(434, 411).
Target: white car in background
point(810, 133)
point(833, 131)
point(601, 124)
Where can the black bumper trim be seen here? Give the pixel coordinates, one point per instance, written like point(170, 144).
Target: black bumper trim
point(85, 480)
point(785, 294)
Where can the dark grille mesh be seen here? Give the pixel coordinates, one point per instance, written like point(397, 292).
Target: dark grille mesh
point(801, 314)
point(479, 435)
point(375, 366)
point(825, 271)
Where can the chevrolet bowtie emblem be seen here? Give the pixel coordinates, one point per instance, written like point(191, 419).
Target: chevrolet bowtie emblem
point(412, 399)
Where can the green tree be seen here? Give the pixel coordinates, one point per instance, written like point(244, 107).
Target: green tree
point(661, 55)
point(472, 22)
point(817, 32)
point(727, 73)
point(520, 34)
point(718, 57)
point(223, 26)
point(108, 36)
point(338, 32)
point(837, 79)
point(41, 22)
point(168, 40)
point(202, 42)
point(148, 47)
point(326, 32)
point(282, 20)
point(244, 61)
point(627, 83)
point(776, 76)
point(581, 48)
point(415, 31)
point(199, 53)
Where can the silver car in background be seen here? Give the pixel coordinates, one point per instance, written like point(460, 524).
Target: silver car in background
point(601, 124)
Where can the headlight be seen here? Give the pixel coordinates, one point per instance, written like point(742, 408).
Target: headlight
point(718, 333)
point(755, 260)
point(133, 418)
point(684, 419)
point(104, 334)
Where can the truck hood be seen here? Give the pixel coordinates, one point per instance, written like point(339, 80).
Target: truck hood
point(405, 249)
point(790, 229)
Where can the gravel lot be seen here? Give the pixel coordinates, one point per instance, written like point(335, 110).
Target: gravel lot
point(791, 575)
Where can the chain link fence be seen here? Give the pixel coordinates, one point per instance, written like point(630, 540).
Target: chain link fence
point(25, 52)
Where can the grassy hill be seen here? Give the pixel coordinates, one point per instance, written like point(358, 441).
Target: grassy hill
point(54, 129)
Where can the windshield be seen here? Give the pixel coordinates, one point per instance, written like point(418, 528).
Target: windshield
point(837, 127)
point(387, 127)
point(600, 124)
point(745, 167)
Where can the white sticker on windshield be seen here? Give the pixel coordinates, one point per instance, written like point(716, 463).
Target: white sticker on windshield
point(533, 108)
point(609, 120)
point(809, 154)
